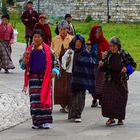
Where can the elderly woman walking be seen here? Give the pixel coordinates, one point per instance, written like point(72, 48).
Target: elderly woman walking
point(99, 45)
point(78, 61)
point(62, 86)
point(118, 66)
point(40, 66)
point(6, 39)
point(44, 27)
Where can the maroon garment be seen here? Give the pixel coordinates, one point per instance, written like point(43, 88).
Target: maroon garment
point(114, 96)
point(47, 32)
point(29, 25)
point(103, 44)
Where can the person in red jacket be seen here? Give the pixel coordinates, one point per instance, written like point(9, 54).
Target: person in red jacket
point(99, 45)
point(44, 27)
point(29, 19)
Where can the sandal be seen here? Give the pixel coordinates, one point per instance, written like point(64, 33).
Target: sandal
point(120, 122)
point(110, 122)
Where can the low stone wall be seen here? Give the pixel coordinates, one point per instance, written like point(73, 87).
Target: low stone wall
point(120, 10)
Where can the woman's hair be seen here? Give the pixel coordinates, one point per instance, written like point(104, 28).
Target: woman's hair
point(5, 16)
point(115, 40)
point(29, 2)
point(67, 15)
point(38, 31)
point(63, 24)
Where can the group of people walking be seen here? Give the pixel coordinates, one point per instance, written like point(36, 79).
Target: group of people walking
point(100, 67)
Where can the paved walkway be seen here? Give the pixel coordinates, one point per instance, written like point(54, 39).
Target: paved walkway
point(93, 125)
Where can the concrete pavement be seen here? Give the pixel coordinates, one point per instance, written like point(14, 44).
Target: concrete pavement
point(93, 124)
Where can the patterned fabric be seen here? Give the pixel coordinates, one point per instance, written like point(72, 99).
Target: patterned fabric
point(6, 33)
point(77, 105)
point(83, 77)
point(62, 93)
point(99, 78)
point(126, 59)
point(115, 94)
point(46, 85)
point(5, 56)
point(40, 114)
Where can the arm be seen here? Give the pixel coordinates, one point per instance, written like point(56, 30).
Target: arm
point(55, 64)
point(130, 64)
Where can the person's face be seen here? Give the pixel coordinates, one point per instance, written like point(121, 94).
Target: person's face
point(5, 21)
point(37, 39)
point(68, 19)
point(88, 45)
point(98, 34)
point(63, 31)
point(78, 44)
point(42, 20)
point(29, 6)
point(114, 48)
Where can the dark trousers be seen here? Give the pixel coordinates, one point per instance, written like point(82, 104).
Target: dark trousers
point(77, 105)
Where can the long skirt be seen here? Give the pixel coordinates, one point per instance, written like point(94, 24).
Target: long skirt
point(77, 105)
point(5, 56)
point(99, 78)
point(114, 100)
point(39, 112)
point(62, 92)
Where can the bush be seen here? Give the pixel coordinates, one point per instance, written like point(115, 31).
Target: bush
point(88, 18)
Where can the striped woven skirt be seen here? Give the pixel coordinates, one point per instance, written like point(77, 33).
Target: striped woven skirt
point(39, 112)
point(62, 92)
point(99, 78)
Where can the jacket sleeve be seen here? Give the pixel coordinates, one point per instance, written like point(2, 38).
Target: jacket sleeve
point(129, 63)
point(55, 64)
point(64, 60)
point(104, 59)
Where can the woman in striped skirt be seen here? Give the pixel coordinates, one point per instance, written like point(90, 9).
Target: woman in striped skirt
point(41, 66)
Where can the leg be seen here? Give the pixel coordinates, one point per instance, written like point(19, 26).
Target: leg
point(94, 101)
point(77, 105)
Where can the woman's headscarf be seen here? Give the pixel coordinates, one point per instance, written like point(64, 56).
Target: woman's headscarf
point(103, 44)
point(77, 37)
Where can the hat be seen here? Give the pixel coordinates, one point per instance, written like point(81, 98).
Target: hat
point(115, 40)
point(42, 16)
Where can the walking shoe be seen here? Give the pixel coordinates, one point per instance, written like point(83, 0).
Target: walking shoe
point(110, 122)
point(78, 120)
point(120, 122)
point(94, 103)
point(6, 71)
point(35, 127)
point(46, 126)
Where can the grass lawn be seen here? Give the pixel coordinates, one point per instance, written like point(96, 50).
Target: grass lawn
point(128, 33)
